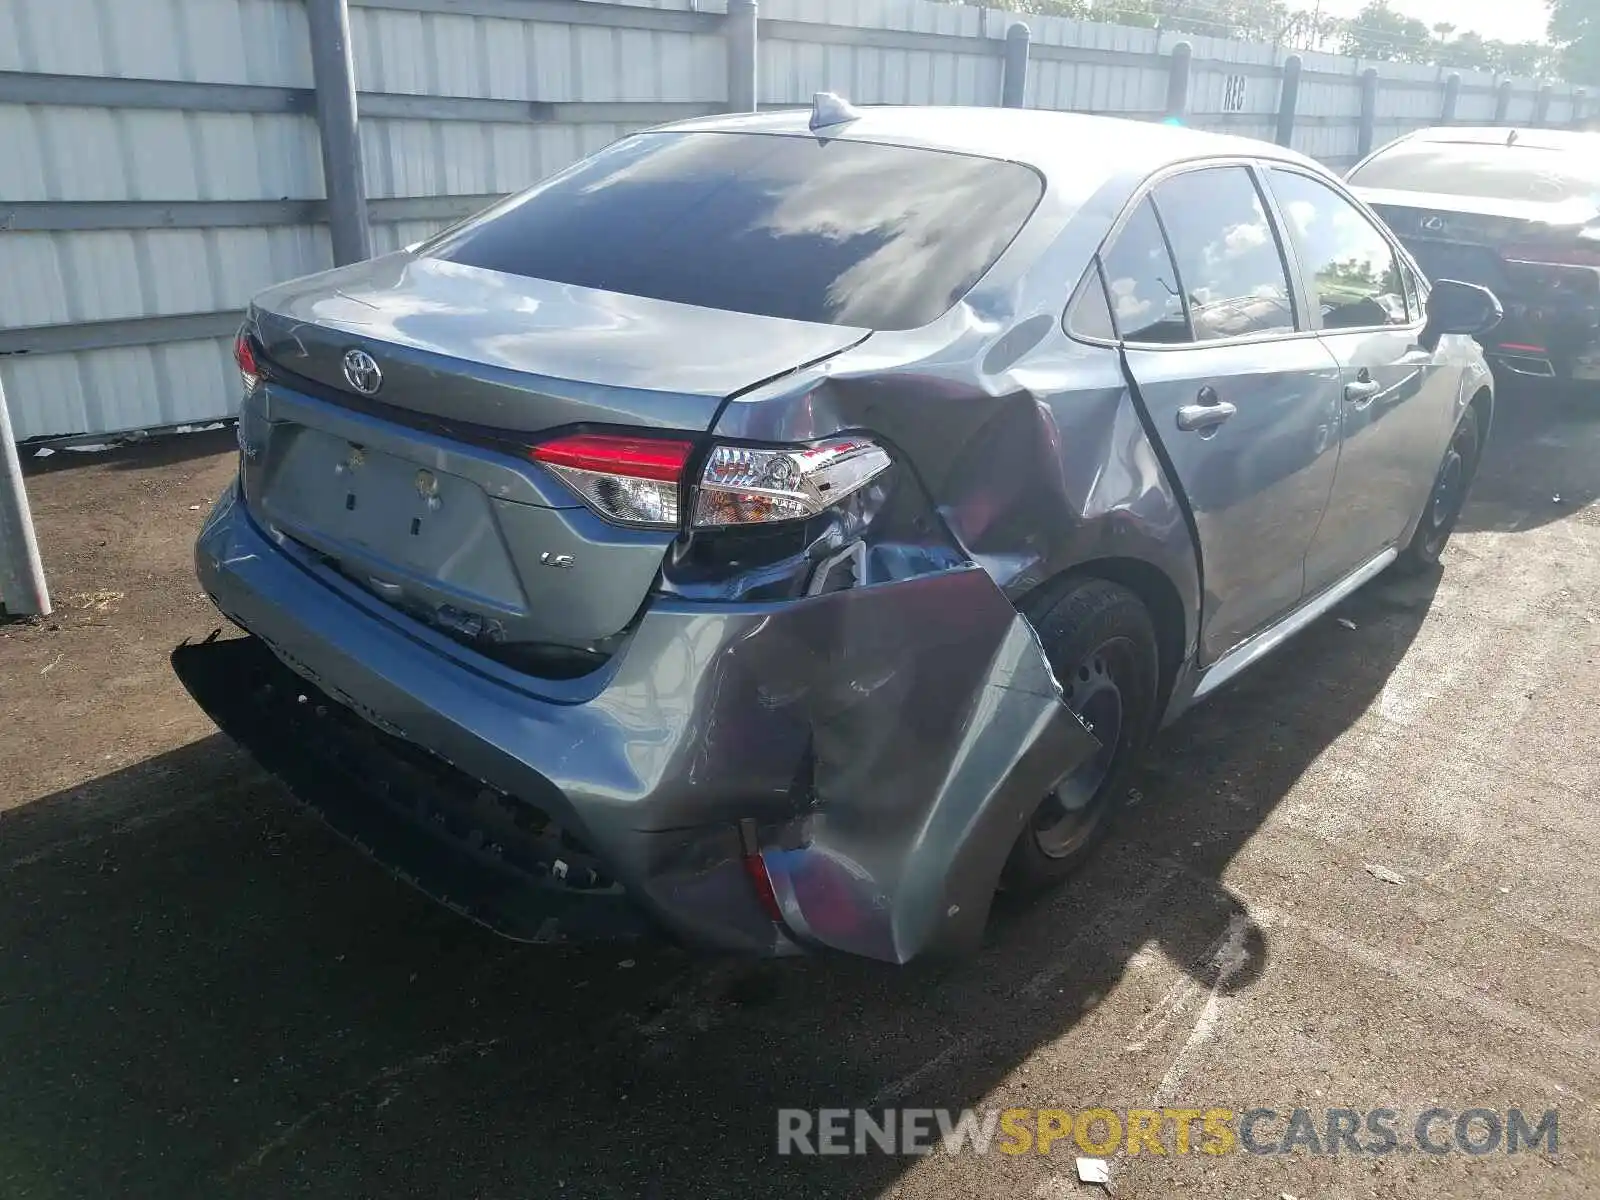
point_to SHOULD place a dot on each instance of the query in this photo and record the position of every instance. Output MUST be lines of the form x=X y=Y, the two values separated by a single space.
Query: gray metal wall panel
x=1475 y=106
x=64 y=278
x=232 y=198
x=55 y=152
x=924 y=71
x=450 y=158
x=207 y=41
x=128 y=388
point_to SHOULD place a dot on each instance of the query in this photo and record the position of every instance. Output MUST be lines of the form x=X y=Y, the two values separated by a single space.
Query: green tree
x=1247 y=20
x=1077 y=9
x=1575 y=29
x=1525 y=59
x=1378 y=32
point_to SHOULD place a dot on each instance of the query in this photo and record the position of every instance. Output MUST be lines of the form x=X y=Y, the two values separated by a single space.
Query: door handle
x=1362 y=390
x=1204 y=416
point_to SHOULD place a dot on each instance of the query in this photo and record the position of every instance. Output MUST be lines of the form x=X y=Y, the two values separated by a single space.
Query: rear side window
x=1143 y=284
x=1089 y=315
x=1228 y=256
x=1351 y=267
x=829 y=231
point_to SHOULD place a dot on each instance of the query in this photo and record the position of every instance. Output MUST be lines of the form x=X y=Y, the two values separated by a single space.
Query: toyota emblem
x=361 y=372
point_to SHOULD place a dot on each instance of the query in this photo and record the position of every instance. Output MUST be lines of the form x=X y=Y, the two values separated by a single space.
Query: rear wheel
x=1102 y=647
x=1447 y=499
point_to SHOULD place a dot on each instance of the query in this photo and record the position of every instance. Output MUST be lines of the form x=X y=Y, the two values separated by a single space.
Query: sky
x=1508 y=20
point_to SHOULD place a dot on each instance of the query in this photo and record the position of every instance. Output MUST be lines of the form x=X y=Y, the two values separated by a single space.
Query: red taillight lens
x=244 y=353
x=638 y=458
x=630 y=480
x=756 y=868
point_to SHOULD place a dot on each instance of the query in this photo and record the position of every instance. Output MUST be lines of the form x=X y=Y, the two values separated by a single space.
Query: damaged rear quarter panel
x=934 y=726
x=1029 y=445
x=1031 y=449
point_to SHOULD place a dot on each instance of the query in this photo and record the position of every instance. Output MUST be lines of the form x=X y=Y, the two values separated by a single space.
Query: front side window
x=1352 y=268
x=1227 y=253
x=1143 y=284
x=821 y=230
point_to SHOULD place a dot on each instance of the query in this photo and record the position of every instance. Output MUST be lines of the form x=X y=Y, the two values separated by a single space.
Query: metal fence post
x=1502 y=102
x=333 y=70
x=1369 y=112
x=1014 y=81
x=740 y=31
x=1452 y=99
x=1289 y=99
x=1580 y=103
x=1541 y=105
x=1178 y=80
x=22 y=586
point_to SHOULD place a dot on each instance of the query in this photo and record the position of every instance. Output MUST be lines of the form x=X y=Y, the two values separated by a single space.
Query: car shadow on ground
x=1540 y=463
x=203 y=993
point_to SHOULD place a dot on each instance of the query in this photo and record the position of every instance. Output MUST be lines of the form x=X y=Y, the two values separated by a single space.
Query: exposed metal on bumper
x=890 y=742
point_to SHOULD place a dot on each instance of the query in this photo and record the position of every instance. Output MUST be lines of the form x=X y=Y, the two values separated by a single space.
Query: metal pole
x=22 y=586
x=1502 y=103
x=1580 y=101
x=1289 y=98
x=1178 y=80
x=1452 y=99
x=333 y=70
x=740 y=30
x=1014 y=82
x=1369 y=112
x=1541 y=105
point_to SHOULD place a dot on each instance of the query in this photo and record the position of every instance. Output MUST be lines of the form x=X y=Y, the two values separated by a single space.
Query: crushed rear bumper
x=884 y=745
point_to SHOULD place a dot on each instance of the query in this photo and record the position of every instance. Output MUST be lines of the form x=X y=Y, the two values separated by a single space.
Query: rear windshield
x=835 y=232
x=1493 y=172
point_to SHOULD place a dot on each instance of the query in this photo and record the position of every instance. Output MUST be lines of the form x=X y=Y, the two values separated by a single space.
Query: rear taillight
x=244 y=354
x=755 y=867
x=629 y=480
x=638 y=480
x=742 y=485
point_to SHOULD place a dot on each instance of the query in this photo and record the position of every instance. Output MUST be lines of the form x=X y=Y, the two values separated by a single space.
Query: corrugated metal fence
x=161 y=158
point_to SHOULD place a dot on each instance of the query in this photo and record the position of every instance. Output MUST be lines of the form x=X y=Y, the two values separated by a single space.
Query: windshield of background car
x=1535 y=173
x=826 y=231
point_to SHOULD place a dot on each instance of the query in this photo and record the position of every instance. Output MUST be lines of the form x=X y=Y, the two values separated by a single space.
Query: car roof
x=1049 y=141
x=1534 y=138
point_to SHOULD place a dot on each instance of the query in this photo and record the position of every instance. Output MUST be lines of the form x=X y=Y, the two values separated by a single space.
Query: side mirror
x=1456 y=307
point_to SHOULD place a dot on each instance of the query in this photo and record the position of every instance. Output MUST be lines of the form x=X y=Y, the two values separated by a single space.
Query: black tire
x=1446 y=498
x=1102 y=646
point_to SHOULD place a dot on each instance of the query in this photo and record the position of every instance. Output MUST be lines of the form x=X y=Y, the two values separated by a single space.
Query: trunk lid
x=526 y=355
x=420 y=489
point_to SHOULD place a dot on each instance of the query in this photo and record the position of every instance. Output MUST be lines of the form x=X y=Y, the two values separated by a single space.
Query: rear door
x=1244 y=403
x=1399 y=399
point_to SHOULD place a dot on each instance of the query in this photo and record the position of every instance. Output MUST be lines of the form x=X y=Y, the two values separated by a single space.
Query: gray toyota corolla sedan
x=784 y=531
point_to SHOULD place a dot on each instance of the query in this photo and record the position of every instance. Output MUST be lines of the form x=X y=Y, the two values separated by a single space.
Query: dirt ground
x=1368 y=875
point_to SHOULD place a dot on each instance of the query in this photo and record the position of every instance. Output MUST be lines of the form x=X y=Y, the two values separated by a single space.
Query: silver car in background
x=785 y=530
